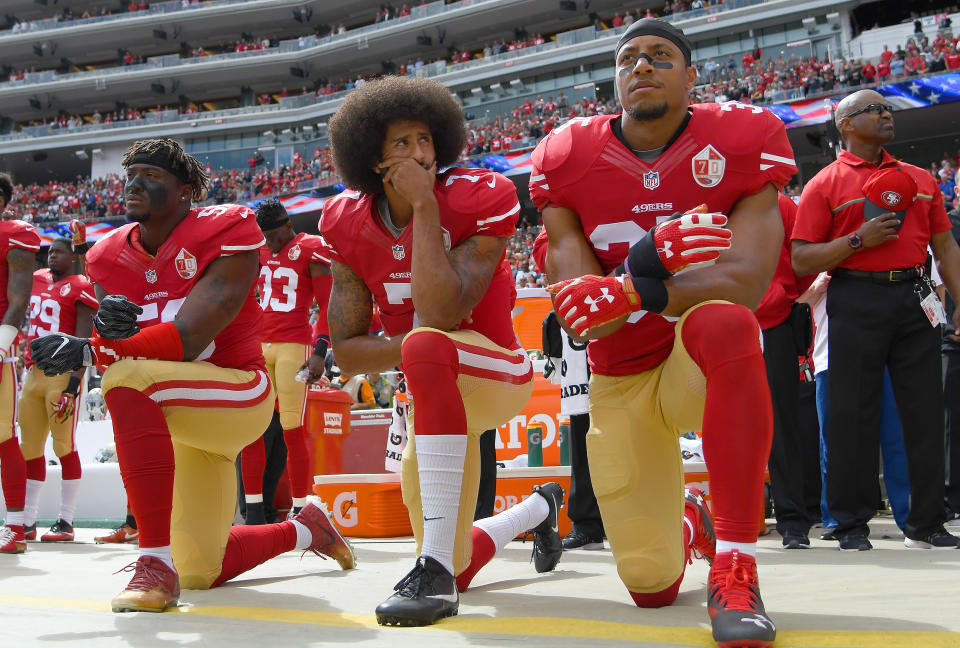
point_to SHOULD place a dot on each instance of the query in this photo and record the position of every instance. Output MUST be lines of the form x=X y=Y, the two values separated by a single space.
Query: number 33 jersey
x=286 y=291
x=159 y=284
x=472 y=201
x=53 y=305
x=725 y=153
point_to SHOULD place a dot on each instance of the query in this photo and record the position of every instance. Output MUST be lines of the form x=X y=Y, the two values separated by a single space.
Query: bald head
x=853 y=102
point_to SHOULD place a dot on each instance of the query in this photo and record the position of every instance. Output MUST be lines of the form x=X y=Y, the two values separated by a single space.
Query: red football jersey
x=726 y=152
x=53 y=305
x=14 y=235
x=286 y=289
x=160 y=284
x=472 y=201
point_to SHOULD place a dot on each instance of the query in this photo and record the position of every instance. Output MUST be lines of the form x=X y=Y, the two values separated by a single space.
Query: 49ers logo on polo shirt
x=186 y=264
x=891 y=199
x=708 y=167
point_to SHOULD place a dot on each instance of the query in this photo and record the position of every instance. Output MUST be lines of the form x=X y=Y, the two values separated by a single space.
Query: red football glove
x=589 y=301
x=685 y=241
x=78 y=232
x=64 y=407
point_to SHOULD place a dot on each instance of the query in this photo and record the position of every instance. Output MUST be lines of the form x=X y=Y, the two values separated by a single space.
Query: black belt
x=887 y=276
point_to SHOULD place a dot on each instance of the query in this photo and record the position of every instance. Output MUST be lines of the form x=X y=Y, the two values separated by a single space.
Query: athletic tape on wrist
x=73 y=386
x=643 y=260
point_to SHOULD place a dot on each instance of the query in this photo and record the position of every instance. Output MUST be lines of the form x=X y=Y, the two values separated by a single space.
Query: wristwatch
x=854 y=241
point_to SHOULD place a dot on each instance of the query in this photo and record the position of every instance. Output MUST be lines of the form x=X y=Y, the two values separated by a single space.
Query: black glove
x=59 y=353
x=117 y=318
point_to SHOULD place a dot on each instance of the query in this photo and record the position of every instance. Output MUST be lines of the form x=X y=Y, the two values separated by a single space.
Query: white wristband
x=8 y=333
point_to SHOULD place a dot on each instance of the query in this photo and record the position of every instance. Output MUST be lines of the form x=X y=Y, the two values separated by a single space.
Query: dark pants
x=808 y=426
x=582 y=507
x=276 y=452
x=873 y=325
x=786 y=459
x=487 y=495
x=951 y=393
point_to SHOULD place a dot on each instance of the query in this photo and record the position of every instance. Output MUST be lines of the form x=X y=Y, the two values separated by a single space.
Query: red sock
x=145 y=452
x=37 y=468
x=298 y=463
x=70 y=466
x=724 y=341
x=483 y=551
x=253 y=461
x=248 y=546
x=13 y=473
x=430 y=367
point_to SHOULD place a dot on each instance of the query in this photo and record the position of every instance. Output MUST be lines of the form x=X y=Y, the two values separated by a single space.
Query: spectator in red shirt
x=886 y=55
x=883 y=71
x=869 y=72
x=952 y=58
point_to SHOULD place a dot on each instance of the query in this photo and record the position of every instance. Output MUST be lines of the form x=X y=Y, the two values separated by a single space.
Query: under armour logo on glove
x=607 y=299
x=592 y=303
x=665 y=252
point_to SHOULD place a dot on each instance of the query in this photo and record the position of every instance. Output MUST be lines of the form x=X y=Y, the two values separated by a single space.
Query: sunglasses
x=876 y=109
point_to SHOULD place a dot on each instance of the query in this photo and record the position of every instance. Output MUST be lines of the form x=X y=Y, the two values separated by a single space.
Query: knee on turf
x=646 y=573
x=427 y=346
x=716 y=333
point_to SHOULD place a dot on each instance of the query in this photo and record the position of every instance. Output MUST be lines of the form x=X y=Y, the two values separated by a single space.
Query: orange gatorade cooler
x=328 y=424
x=365 y=506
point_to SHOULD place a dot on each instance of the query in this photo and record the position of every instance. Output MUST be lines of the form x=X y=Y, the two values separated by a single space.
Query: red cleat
x=327 y=540
x=122 y=534
x=12 y=540
x=734 y=604
x=59 y=532
x=704 y=543
x=153 y=588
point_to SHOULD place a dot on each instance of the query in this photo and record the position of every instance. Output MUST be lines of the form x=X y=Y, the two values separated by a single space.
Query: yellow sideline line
x=692 y=636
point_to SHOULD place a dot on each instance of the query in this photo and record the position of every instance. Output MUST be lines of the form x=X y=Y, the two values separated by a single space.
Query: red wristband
x=160 y=342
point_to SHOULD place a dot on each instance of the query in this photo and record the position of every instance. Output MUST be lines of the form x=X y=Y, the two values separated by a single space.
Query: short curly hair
x=6 y=188
x=170 y=155
x=271 y=214
x=359 y=127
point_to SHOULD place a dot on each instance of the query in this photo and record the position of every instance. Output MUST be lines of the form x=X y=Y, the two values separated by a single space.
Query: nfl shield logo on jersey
x=651 y=180
x=398 y=252
x=151 y=276
x=64 y=290
x=294 y=253
x=186 y=264
x=708 y=167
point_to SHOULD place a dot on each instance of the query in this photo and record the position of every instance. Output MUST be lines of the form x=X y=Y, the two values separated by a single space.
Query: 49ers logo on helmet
x=186 y=264
x=891 y=198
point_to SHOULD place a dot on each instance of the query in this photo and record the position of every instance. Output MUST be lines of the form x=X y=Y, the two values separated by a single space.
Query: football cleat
x=423 y=597
x=122 y=534
x=704 y=542
x=11 y=541
x=578 y=540
x=153 y=588
x=59 y=532
x=30 y=531
x=734 y=604
x=547 y=544
x=327 y=540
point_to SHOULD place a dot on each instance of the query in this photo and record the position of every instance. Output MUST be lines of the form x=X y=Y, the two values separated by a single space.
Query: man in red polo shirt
x=869 y=218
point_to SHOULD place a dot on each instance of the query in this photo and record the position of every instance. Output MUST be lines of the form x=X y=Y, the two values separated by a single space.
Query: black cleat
x=423 y=597
x=547 y=544
x=734 y=604
x=578 y=540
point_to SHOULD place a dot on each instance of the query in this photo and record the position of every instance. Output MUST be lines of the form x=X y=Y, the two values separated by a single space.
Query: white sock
x=505 y=526
x=253 y=498
x=32 y=501
x=748 y=548
x=298 y=502
x=304 y=537
x=163 y=553
x=69 y=490
x=15 y=518
x=440 y=459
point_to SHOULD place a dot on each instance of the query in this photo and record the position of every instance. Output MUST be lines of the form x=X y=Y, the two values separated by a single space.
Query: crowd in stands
x=67 y=15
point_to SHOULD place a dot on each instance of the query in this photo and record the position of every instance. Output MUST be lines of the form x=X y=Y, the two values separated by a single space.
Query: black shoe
x=577 y=540
x=939 y=539
x=829 y=534
x=547 y=545
x=796 y=541
x=423 y=597
x=855 y=541
x=254 y=514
